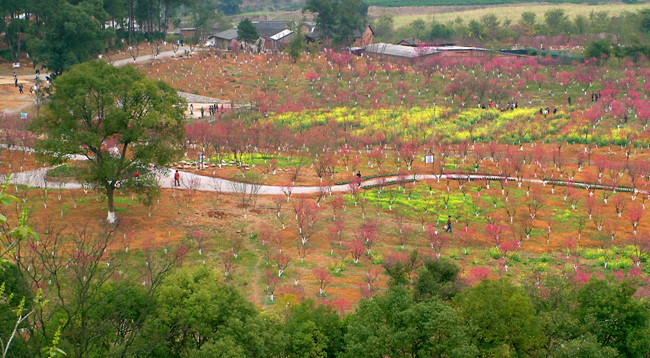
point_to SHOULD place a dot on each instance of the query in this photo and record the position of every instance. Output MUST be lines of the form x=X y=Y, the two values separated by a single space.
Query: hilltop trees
x=338 y=19
x=246 y=32
x=119 y=120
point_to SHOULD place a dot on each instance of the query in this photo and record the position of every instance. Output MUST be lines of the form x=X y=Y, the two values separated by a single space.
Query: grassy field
x=511 y=11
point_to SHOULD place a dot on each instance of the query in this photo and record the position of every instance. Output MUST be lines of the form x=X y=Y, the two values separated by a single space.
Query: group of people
x=213 y=109
x=33 y=89
x=508 y=107
x=595 y=96
x=546 y=111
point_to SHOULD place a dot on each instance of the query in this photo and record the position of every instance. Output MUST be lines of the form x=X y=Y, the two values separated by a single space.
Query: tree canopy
x=121 y=121
x=246 y=31
x=338 y=19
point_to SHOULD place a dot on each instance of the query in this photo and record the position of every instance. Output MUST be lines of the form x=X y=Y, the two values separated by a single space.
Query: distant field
x=406 y=15
x=398 y=3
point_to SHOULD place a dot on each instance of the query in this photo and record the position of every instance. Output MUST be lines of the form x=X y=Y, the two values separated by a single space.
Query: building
x=365 y=37
x=222 y=40
x=266 y=29
x=390 y=52
x=280 y=40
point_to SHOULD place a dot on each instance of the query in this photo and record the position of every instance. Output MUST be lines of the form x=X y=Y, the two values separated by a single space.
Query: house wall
x=366 y=39
x=187 y=33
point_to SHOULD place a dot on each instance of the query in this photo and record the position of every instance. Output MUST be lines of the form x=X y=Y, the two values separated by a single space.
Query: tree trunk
x=110 y=192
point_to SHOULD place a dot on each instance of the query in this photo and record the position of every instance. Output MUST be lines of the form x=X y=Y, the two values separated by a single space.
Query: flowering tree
x=323 y=277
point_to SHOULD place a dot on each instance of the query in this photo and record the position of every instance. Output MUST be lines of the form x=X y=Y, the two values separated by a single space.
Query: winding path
x=36 y=178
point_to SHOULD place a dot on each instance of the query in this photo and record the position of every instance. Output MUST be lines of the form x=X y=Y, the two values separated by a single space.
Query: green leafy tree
x=198 y=315
x=582 y=347
x=119 y=120
x=352 y=16
x=338 y=19
x=204 y=16
x=296 y=47
x=557 y=22
x=393 y=325
x=598 y=49
x=617 y=319
x=501 y=319
x=437 y=278
x=312 y=331
x=246 y=31
x=384 y=28
x=69 y=35
x=229 y=7
x=418 y=27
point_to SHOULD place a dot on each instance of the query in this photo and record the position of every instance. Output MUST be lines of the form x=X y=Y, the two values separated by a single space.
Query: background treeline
x=61 y=33
x=554 y=28
x=86 y=304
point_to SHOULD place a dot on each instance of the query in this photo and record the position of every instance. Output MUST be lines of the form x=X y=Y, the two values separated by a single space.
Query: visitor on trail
x=554 y=110
x=569 y=100
x=177 y=179
x=20 y=88
x=201 y=112
x=448 y=229
x=359 y=178
x=191 y=109
x=15 y=81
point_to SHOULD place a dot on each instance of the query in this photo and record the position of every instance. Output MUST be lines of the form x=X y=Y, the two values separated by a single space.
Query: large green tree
x=118 y=119
x=338 y=19
x=393 y=325
x=246 y=32
x=200 y=317
x=501 y=319
x=229 y=7
x=70 y=34
x=615 y=317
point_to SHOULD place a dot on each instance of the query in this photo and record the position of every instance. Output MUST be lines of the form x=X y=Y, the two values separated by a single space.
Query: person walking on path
x=177 y=179
x=191 y=109
x=20 y=88
x=359 y=178
x=448 y=229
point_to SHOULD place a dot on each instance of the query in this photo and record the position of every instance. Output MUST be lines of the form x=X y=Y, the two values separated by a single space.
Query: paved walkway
x=36 y=178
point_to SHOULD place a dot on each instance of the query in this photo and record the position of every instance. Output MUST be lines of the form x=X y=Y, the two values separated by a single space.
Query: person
x=177 y=179
x=449 y=225
x=569 y=100
x=136 y=175
x=359 y=178
x=15 y=81
x=201 y=112
x=20 y=88
x=191 y=109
